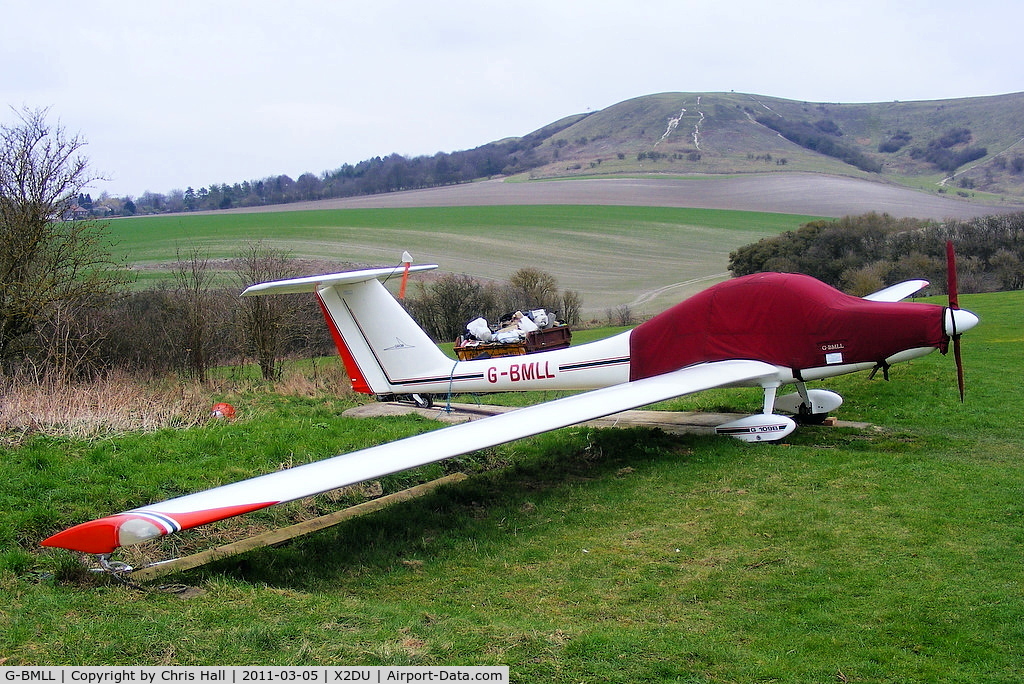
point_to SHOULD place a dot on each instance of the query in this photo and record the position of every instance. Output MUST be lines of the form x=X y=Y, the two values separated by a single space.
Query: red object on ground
x=222 y=410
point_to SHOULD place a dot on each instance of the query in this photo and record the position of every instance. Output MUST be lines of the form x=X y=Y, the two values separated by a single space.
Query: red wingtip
x=96 y=536
x=106 y=534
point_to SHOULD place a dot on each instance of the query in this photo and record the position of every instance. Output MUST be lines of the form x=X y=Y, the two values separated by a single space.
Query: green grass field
x=885 y=554
x=648 y=257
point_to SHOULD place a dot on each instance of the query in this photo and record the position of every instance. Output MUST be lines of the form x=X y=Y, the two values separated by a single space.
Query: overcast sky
x=193 y=92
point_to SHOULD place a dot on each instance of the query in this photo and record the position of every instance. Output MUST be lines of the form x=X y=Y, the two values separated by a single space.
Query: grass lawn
x=885 y=554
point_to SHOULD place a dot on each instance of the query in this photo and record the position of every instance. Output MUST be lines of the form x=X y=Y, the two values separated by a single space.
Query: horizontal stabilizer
x=314 y=283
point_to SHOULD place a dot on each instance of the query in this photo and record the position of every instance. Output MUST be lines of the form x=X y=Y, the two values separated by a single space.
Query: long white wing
x=140 y=524
x=897 y=292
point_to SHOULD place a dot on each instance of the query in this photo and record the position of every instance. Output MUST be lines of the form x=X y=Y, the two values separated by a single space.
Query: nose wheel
x=423 y=401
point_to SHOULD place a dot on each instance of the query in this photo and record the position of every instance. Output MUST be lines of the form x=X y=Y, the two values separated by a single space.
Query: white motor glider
x=765 y=330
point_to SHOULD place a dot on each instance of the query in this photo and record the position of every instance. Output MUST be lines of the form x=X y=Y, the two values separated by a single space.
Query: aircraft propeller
x=954 y=305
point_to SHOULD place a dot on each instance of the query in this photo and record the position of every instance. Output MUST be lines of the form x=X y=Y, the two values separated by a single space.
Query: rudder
x=387 y=349
x=382 y=347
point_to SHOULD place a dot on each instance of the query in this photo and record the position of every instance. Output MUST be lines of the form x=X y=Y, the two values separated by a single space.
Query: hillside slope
x=968 y=149
x=961 y=146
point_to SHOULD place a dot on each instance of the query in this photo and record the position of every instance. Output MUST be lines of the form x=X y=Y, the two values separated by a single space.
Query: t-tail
x=384 y=350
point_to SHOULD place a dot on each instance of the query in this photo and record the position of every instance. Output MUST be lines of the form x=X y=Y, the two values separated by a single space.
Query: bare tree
x=621 y=315
x=572 y=307
x=47 y=260
x=449 y=303
x=538 y=287
x=194 y=279
x=269 y=321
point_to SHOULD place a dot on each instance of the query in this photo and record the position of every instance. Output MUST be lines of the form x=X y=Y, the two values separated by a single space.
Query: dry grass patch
x=121 y=402
x=114 y=404
x=316 y=378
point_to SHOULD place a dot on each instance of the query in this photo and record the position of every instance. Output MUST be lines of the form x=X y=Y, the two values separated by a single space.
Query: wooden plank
x=272 y=537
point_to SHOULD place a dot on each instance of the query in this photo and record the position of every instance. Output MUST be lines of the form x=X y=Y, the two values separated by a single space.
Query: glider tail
x=383 y=348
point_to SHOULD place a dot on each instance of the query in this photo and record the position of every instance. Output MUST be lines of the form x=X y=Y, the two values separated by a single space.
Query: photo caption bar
x=406 y=674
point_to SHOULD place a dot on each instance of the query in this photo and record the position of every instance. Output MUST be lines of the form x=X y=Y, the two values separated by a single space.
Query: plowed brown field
x=788 y=193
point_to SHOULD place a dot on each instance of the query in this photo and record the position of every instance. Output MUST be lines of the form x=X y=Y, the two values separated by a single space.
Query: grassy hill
x=911 y=143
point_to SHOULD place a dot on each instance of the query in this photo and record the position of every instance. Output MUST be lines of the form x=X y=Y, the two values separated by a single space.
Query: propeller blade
x=954 y=303
x=959 y=367
x=951 y=282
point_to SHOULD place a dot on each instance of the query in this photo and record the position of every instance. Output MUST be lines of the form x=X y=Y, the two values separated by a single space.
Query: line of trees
x=197 y=321
x=377 y=175
x=188 y=325
x=861 y=254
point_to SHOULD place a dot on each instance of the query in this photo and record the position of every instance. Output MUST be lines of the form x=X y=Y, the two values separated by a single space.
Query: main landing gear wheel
x=423 y=401
x=809 y=406
x=804 y=416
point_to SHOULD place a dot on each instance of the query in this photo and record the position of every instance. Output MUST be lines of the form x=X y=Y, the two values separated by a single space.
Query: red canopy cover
x=786 y=319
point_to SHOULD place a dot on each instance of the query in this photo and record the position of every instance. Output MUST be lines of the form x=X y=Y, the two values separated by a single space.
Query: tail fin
x=384 y=350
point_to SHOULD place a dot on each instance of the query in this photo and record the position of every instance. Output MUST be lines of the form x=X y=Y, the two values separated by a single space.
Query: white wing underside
x=139 y=524
x=436 y=445
x=897 y=292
